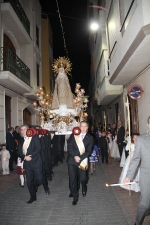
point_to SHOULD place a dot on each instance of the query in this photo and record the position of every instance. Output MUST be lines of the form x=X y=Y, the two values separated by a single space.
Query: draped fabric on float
x=46 y=155
x=57 y=149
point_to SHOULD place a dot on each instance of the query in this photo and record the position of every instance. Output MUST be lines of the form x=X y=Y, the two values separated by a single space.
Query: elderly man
x=141 y=156
x=29 y=149
x=75 y=160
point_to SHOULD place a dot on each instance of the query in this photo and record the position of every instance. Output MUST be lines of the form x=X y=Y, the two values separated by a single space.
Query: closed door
x=7 y=111
x=134 y=115
x=27 y=118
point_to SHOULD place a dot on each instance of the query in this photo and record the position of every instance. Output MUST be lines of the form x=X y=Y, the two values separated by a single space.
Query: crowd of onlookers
x=109 y=140
x=9 y=150
x=113 y=142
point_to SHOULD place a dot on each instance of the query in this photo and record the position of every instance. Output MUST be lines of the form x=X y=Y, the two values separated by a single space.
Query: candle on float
x=76 y=90
x=37 y=94
x=40 y=88
x=34 y=104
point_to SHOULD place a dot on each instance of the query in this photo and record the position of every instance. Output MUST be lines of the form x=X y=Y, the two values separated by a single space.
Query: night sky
x=76 y=36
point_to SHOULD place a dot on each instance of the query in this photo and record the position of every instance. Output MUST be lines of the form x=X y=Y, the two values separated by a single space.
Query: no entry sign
x=135 y=92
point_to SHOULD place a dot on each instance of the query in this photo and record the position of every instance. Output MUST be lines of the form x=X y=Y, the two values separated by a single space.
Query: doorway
x=27 y=117
x=133 y=106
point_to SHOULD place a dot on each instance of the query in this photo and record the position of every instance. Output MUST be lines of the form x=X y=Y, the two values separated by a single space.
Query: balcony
x=132 y=54
x=14 y=73
x=15 y=20
x=108 y=92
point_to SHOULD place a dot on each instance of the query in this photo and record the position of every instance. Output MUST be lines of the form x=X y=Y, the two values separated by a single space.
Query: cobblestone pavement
x=130 y=202
x=103 y=206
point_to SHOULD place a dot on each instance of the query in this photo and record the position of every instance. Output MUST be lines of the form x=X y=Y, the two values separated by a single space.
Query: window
x=38 y=74
x=37 y=36
x=8 y=111
x=111 y=27
x=126 y=11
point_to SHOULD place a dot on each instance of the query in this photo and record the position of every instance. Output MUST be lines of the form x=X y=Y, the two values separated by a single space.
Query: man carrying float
x=29 y=150
x=79 y=148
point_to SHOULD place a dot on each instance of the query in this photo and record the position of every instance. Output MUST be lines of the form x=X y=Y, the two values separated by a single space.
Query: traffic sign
x=135 y=92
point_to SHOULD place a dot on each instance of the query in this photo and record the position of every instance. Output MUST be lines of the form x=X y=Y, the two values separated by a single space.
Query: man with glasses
x=29 y=149
x=76 y=159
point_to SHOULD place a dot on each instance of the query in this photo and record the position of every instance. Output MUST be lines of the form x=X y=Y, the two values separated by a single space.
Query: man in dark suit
x=75 y=159
x=16 y=135
x=11 y=146
x=29 y=150
x=120 y=137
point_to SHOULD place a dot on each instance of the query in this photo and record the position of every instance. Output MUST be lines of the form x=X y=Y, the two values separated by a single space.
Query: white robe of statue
x=62 y=102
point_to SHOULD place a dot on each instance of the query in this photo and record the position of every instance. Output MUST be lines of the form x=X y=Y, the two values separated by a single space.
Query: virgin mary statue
x=62 y=102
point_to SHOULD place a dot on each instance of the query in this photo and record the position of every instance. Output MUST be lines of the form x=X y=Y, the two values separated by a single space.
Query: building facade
x=21 y=62
x=121 y=59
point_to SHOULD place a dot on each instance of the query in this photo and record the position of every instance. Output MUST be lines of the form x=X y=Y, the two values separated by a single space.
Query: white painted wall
x=143 y=103
x=2 y=115
x=140 y=17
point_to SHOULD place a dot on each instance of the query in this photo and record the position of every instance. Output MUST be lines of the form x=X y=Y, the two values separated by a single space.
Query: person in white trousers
x=20 y=171
x=5 y=156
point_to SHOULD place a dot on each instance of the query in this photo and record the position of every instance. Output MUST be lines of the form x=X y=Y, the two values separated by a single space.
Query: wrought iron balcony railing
x=20 y=13
x=11 y=62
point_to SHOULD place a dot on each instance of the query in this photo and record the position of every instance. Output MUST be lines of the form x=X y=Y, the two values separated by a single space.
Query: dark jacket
x=16 y=135
x=34 y=150
x=120 y=135
x=74 y=151
x=10 y=142
x=92 y=133
x=102 y=142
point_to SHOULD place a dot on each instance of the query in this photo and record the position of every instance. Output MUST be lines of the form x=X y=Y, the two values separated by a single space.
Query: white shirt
x=82 y=136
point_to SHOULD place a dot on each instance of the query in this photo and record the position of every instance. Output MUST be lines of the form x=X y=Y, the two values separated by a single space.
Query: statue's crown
x=62 y=62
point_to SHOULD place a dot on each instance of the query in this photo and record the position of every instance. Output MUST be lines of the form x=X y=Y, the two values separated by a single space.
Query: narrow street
x=109 y=206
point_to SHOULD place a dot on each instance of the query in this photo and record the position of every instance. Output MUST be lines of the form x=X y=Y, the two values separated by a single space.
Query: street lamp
x=94 y=26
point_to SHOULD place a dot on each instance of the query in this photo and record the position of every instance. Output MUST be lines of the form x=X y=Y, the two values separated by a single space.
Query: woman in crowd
x=114 y=150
